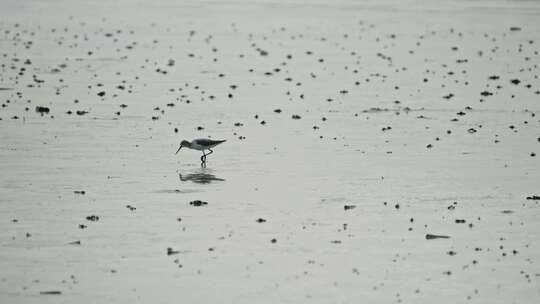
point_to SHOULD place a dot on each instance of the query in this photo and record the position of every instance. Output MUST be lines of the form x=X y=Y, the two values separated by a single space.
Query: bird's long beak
x=178 y=149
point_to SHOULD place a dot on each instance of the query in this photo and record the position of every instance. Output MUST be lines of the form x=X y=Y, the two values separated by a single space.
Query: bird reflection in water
x=201 y=176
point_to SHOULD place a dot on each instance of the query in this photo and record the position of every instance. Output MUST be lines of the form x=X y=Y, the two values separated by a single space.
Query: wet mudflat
x=376 y=152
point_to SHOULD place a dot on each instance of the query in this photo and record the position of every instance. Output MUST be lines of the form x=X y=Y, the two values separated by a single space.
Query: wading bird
x=200 y=144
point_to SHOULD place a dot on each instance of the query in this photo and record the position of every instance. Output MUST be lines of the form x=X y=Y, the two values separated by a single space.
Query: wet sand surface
x=376 y=152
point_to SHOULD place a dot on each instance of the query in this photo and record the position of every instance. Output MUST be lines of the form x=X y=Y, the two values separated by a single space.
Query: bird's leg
x=203 y=157
x=203 y=160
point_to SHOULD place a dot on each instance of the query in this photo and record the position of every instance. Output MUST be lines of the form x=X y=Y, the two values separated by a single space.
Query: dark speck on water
x=198 y=203
x=170 y=251
x=42 y=110
x=436 y=236
x=50 y=292
x=93 y=218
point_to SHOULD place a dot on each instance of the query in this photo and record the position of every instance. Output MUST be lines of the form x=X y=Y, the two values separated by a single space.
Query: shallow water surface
x=354 y=131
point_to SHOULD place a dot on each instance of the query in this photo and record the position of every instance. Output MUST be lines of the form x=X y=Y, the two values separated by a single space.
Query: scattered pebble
x=92 y=218
x=50 y=292
x=435 y=236
x=198 y=203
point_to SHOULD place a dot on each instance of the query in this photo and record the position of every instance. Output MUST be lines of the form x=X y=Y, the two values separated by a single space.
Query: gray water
x=331 y=207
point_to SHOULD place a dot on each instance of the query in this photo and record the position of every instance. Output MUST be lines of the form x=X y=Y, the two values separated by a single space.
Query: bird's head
x=184 y=143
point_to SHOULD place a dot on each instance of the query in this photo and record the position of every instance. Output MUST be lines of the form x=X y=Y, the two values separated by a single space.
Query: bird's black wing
x=207 y=142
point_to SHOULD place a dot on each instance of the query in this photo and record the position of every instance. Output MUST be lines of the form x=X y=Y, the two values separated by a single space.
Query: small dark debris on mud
x=92 y=218
x=42 y=110
x=50 y=292
x=436 y=236
x=198 y=203
x=171 y=251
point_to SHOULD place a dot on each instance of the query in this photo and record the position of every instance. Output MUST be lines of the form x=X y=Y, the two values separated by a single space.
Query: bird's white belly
x=198 y=147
